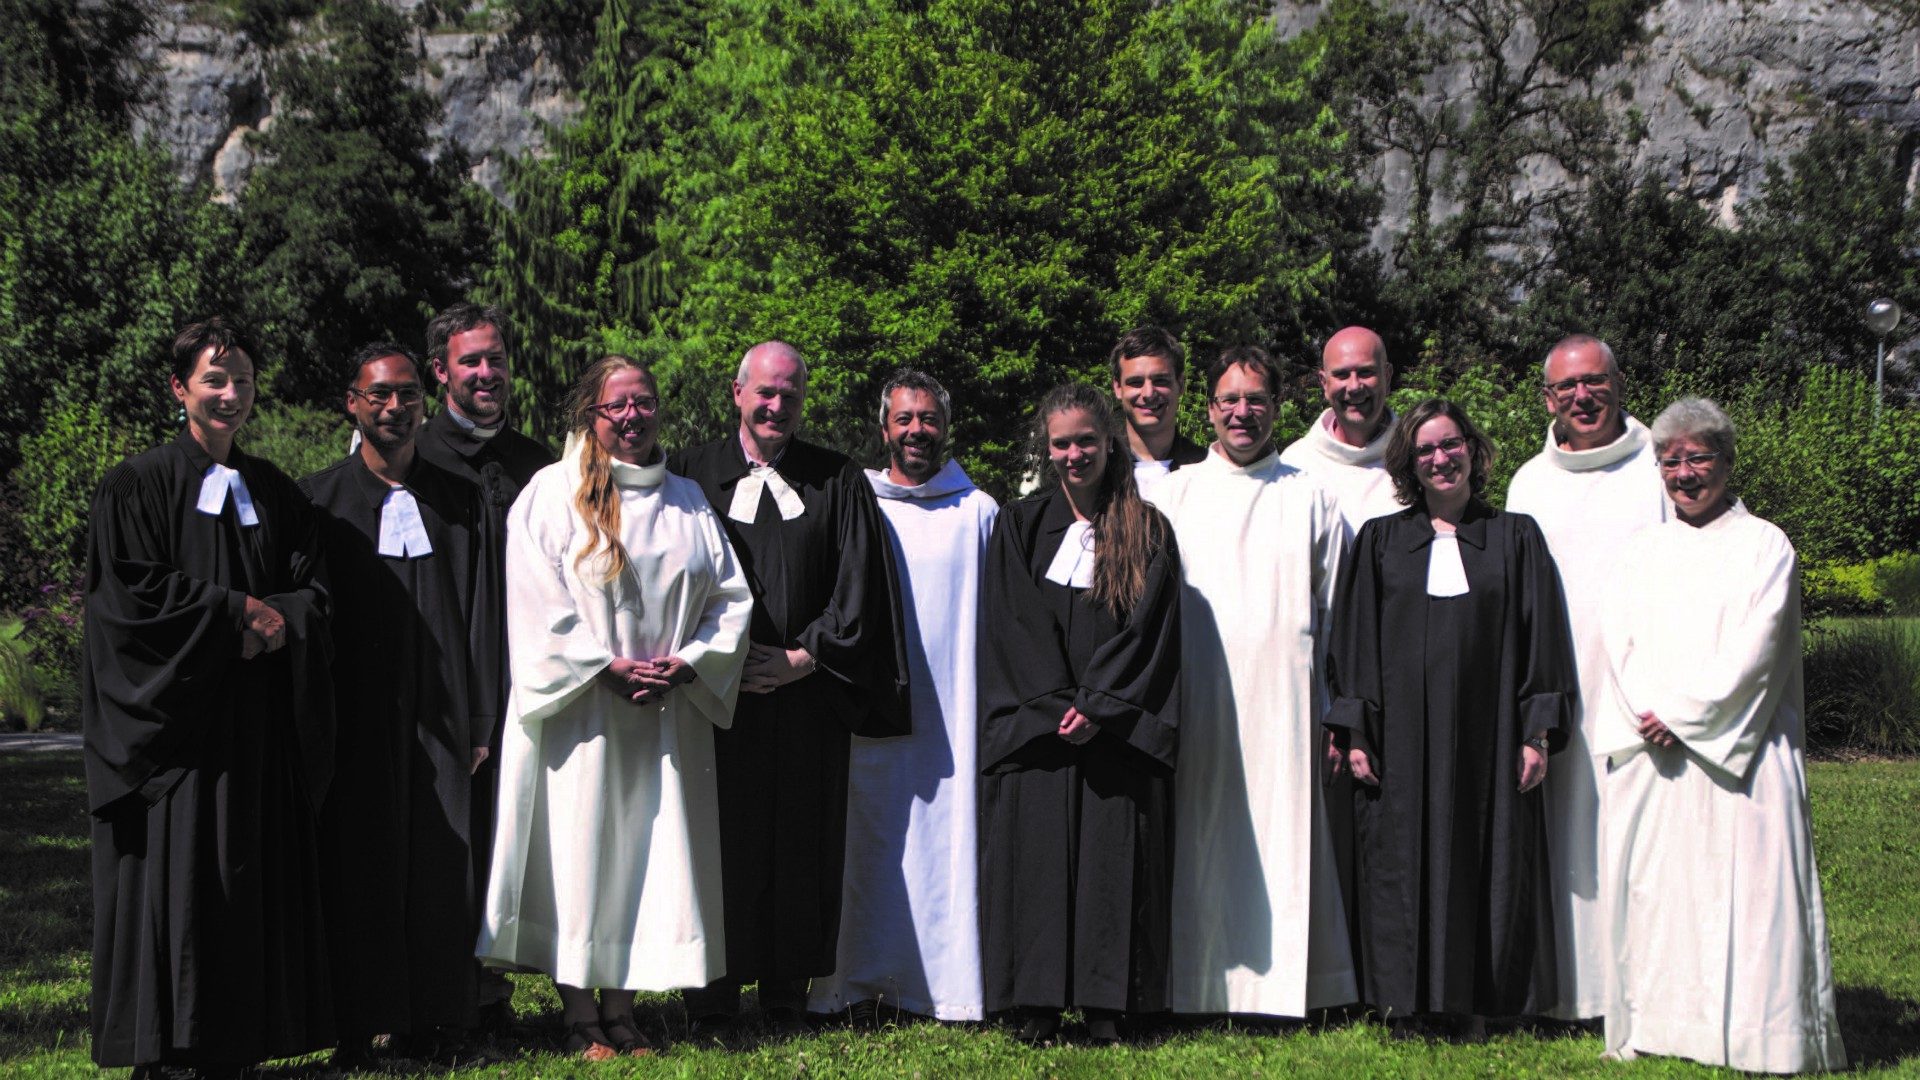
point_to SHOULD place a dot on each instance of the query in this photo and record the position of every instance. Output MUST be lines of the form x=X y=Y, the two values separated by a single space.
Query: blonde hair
x=597 y=498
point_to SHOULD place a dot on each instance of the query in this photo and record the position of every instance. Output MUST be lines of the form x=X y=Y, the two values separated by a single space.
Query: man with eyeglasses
x=1594 y=484
x=1259 y=924
x=470 y=438
x=827 y=662
x=1149 y=370
x=417 y=692
x=1346 y=447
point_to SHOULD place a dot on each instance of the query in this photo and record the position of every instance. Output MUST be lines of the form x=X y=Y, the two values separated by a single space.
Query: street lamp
x=1882 y=316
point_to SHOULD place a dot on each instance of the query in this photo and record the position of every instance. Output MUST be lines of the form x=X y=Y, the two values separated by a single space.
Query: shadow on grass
x=46 y=903
x=1880 y=1030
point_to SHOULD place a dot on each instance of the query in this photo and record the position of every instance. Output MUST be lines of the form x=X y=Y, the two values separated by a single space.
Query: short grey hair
x=781 y=347
x=1575 y=341
x=915 y=379
x=1695 y=418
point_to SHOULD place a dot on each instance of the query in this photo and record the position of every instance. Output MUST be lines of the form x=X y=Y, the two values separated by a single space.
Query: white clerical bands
x=214 y=486
x=746 y=496
x=403 y=535
x=1072 y=565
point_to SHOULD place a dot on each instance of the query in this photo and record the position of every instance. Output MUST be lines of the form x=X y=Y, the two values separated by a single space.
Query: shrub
x=298 y=438
x=60 y=465
x=1863 y=687
x=20 y=692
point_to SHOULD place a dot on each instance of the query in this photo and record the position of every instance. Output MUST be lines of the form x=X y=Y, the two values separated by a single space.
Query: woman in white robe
x=627 y=616
x=1719 y=938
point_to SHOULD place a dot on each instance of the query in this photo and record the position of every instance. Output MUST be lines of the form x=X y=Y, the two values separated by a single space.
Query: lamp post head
x=1882 y=316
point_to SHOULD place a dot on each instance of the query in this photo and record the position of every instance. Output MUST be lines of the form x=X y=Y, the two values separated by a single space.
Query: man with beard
x=1259 y=921
x=1594 y=484
x=1148 y=369
x=416 y=677
x=1346 y=447
x=826 y=661
x=470 y=438
x=909 y=926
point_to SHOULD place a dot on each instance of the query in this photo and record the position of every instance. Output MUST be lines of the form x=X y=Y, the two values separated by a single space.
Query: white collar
x=950 y=480
x=1632 y=439
x=1321 y=439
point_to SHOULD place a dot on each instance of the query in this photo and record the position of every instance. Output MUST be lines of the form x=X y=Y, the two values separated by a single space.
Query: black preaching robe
x=1454 y=910
x=1076 y=842
x=416 y=678
x=499 y=466
x=204 y=771
x=824 y=582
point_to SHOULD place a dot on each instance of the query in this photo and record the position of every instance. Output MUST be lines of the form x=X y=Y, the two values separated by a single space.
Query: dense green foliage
x=991 y=190
x=356 y=227
x=1863 y=686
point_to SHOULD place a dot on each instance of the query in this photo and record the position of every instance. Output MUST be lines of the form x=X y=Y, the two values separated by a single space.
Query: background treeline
x=988 y=189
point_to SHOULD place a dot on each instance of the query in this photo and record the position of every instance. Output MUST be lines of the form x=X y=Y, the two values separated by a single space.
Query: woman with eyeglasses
x=1079 y=689
x=1452 y=675
x=627 y=614
x=1719 y=938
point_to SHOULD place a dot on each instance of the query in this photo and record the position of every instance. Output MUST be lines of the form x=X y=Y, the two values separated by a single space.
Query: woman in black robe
x=1452 y=673
x=208 y=715
x=1079 y=684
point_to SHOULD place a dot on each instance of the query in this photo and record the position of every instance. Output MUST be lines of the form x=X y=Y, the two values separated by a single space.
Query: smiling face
x=476 y=373
x=1077 y=450
x=916 y=435
x=1698 y=487
x=217 y=396
x=770 y=399
x=1242 y=411
x=388 y=425
x=1442 y=461
x=1148 y=390
x=626 y=417
x=1583 y=396
x=1353 y=380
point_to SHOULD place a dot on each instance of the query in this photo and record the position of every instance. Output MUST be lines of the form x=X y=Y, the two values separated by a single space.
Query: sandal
x=586 y=1041
x=626 y=1036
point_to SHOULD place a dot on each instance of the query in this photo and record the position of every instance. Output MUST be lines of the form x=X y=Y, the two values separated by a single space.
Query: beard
x=936 y=453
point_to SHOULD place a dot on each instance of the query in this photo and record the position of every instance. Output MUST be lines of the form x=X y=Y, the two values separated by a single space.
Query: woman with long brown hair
x=627 y=616
x=1079 y=688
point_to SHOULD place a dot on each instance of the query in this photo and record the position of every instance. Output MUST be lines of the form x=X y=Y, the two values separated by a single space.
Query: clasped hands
x=648 y=682
x=770 y=667
x=1076 y=728
x=262 y=629
x=1655 y=732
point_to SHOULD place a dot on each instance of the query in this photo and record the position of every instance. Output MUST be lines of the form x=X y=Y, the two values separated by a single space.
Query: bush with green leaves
x=300 y=439
x=1863 y=686
x=22 y=697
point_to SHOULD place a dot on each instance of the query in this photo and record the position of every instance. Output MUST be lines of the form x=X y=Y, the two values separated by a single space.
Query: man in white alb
x=910 y=923
x=1259 y=926
x=1594 y=485
x=1346 y=447
x=1149 y=369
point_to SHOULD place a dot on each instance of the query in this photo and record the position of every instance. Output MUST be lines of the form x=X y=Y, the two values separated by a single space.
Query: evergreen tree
x=356 y=226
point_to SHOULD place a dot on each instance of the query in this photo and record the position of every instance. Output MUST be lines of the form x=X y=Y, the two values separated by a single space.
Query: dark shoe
x=354 y=1056
x=716 y=1029
x=1103 y=1029
x=1039 y=1028
x=627 y=1036
x=496 y=1019
x=787 y=1023
x=864 y=1015
x=588 y=1042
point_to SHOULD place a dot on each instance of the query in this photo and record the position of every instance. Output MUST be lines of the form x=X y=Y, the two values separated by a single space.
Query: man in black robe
x=417 y=684
x=827 y=662
x=1149 y=370
x=470 y=438
x=208 y=714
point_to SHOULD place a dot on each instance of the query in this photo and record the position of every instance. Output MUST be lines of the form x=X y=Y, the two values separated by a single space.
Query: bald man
x=1345 y=449
x=827 y=662
x=1593 y=484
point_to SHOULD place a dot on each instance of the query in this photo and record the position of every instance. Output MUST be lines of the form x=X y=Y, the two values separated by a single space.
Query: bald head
x=770 y=391
x=1354 y=376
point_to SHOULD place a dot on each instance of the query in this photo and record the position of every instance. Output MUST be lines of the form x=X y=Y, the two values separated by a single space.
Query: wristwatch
x=1538 y=742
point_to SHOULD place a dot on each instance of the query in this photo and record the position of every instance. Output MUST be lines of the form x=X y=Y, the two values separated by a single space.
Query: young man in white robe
x=1717 y=931
x=1259 y=924
x=910 y=919
x=1149 y=369
x=1594 y=485
x=1346 y=447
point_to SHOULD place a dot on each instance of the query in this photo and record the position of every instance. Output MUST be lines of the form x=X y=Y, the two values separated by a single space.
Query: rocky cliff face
x=1718 y=89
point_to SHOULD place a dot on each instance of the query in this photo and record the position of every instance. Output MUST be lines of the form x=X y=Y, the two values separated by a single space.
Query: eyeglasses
x=382 y=394
x=620 y=410
x=1594 y=384
x=1696 y=462
x=1256 y=403
x=1448 y=447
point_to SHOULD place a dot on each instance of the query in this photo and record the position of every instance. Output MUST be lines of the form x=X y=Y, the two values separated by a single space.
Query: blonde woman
x=627 y=616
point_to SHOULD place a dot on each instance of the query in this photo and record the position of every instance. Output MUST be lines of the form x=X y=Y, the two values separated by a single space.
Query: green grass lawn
x=1867 y=826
